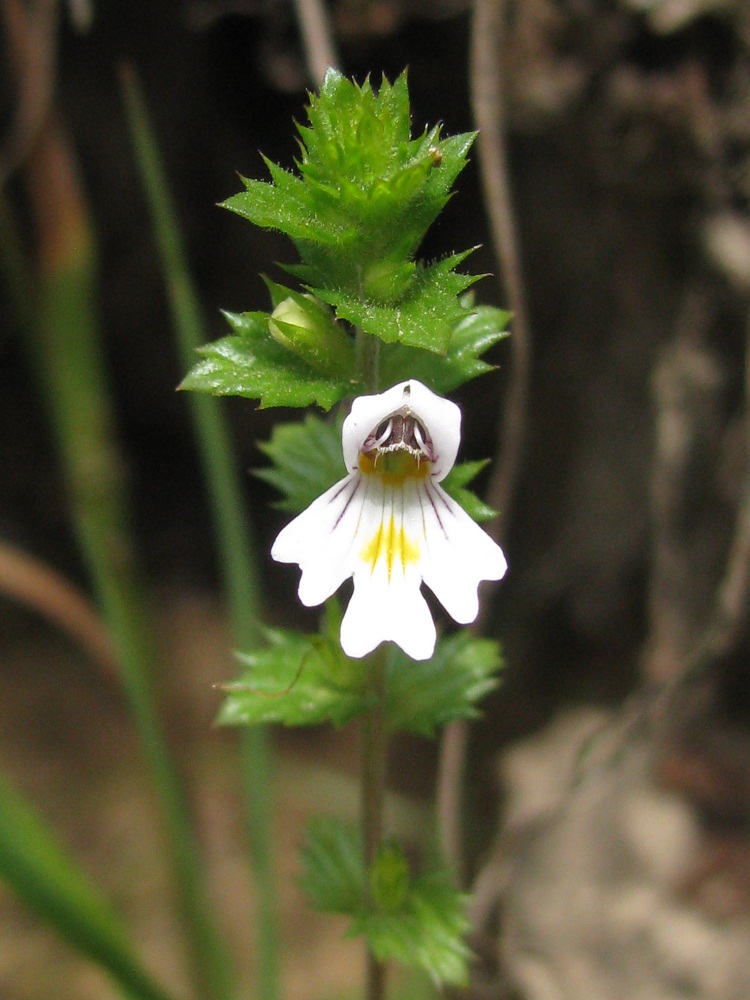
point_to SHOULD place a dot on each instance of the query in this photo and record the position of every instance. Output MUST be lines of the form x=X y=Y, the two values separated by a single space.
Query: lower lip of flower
x=392 y=545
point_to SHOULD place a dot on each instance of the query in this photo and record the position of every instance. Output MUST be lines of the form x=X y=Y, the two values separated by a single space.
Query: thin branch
x=317 y=38
x=650 y=707
x=31 y=583
x=488 y=40
x=30 y=49
x=487 y=43
x=448 y=794
x=731 y=608
x=686 y=390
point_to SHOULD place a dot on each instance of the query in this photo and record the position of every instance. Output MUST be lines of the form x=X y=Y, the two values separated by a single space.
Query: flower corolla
x=391 y=526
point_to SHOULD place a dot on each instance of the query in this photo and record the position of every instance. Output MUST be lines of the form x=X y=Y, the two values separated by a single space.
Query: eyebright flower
x=390 y=526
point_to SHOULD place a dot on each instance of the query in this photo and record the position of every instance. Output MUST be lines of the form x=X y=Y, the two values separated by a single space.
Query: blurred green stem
x=69 y=353
x=236 y=546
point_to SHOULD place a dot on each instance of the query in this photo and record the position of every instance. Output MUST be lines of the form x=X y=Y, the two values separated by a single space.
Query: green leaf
x=253 y=364
x=428 y=931
x=286 y=205
x=455 y=483
x=472 y=335
x=418 y=922
x=49 y=882
x=453 y=154
x=356 y=128
x=425 y=317
x=306 y=459
x=424 y=695
x=304 y=680
x=333 y=872
x=360 y=206
x=389 y=878
x=298 y=680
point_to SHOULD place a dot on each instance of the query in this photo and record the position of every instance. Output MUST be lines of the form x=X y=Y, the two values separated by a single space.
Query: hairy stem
x=368 y=359
x=374 y=732
x=374 y=772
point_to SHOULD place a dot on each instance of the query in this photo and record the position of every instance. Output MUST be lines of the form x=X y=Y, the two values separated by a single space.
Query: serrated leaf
x=389 y=877
x=306 y=460
x=297 y=680
x=255 y=366
x=423 y=923
x=453 y=154
x=425 y=317
x=424 y=695
x=474 y=334
x=455 y=483
x=357 y=211
x=333 y=873
x=285 y=206
x=474 y=506
x=356 y=133
x=464 y=473
x=428 y=931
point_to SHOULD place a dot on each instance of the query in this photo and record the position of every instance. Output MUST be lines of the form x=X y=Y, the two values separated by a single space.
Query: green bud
x=305 y=327
x=389 y=878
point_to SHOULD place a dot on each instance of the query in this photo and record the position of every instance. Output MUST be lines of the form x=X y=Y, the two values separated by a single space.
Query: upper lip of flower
x=407 y=417
x=391 y=526
x=401 y=431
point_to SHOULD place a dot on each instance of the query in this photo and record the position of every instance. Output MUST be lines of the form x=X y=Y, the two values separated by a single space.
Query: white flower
x=391 y=526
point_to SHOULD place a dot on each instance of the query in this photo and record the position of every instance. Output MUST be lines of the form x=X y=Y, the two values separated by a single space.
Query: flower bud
x=389 y=878
x=305 y=327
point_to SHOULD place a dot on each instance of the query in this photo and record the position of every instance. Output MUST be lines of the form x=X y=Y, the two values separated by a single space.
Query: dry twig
x=30 y=49
x=317 y=38
x=488 y=40
x=36 y=586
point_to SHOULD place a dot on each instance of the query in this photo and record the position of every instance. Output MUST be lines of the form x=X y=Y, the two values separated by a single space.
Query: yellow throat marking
x=391 y=544
x=394 y=467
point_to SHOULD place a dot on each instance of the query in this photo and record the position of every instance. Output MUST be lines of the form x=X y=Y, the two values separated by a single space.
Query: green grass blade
x=42 y=875
x=233 y=535
x=66 y=345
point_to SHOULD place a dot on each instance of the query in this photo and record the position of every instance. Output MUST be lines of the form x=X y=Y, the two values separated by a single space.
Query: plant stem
x=374 y=773
x=374 y=730
x=234 y=538
x=368 y=360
